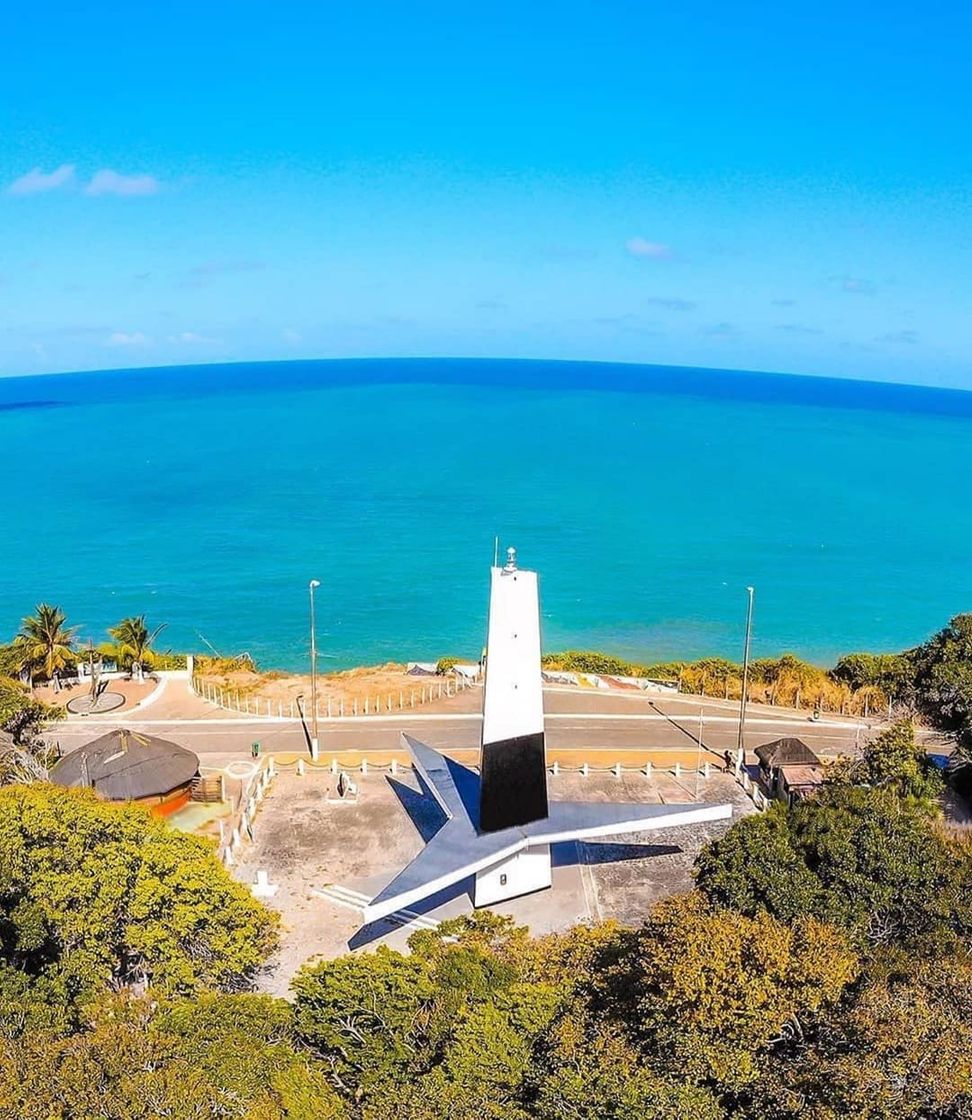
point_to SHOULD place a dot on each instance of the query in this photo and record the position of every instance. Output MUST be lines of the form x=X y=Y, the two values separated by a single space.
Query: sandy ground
x=311 y=844
x=133 y=691
x=386 y=685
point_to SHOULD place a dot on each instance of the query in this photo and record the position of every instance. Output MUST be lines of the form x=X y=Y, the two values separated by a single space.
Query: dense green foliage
x=46 y=646
x=943 y=677
x=21 y=717
x=934 y=679
x=95 y=895
x=24 y=755
x=447 y=664
x=862 y=859
x=139 y=1059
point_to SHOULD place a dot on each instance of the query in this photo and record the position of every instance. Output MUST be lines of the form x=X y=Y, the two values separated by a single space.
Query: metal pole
x=740 y=742
x=314 y=583
x=698 y=757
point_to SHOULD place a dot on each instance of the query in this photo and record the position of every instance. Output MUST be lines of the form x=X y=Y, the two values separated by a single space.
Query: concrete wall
x=523 y=873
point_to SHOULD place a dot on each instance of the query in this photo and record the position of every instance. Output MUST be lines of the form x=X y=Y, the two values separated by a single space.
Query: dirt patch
x=133 y=691
x=376 y=688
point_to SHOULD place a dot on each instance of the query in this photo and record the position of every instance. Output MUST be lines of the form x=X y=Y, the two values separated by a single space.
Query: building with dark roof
x=126 y=766
x=792 y=755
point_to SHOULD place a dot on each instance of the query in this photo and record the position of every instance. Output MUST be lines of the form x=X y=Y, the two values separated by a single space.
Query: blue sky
x=743 y=185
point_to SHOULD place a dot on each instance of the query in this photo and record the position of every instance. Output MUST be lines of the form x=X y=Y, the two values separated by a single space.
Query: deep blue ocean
x=647 y=497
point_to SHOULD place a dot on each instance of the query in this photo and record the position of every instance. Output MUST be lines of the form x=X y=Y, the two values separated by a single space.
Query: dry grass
x=370 y=683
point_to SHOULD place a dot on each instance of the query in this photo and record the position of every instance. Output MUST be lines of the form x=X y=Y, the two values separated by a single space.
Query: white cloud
x=36 y=181
x=291 y=337
x=107 y=181
x=639 y=247
x=120 y=338
x=190 y=337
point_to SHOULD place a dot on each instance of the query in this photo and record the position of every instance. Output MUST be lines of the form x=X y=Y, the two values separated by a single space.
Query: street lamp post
x=740 y=742
x=312 y=586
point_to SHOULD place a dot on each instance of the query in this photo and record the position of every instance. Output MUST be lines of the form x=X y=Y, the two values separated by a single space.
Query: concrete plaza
x=326 y=855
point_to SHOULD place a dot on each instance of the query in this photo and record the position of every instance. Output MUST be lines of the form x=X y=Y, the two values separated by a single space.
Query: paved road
x=660 y=726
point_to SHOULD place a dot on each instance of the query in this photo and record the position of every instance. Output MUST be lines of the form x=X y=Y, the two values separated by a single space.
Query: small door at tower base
x=523 y=873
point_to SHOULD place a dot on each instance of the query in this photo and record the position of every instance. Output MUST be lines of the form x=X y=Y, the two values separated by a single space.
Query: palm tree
x=134 y=642
x=44 y=643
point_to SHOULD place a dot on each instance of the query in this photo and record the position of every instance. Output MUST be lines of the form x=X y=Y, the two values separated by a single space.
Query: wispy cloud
x=798 y=328
x=291 y=337
x=671 y=304
x=191 y=338
x=491 y=305
x=856 y=285
x=107 y=181
x=120 y=338
x=721 y=330
x=36 y=181
x=654 y=250
x=906 y=337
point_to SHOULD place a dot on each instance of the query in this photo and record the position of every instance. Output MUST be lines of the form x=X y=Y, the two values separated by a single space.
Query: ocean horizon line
x=744 y=385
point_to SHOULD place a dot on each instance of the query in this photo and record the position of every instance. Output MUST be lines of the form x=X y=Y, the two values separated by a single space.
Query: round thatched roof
x=126 y=766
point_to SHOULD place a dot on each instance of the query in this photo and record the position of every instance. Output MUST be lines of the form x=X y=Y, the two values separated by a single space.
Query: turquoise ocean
x=647 y=497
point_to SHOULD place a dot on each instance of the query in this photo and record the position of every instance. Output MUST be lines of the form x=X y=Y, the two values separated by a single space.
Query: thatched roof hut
x=126 y=766
x=786 y=752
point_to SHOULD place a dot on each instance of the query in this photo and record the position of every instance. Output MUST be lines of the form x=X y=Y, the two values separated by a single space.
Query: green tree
x=138 y=1059
x=757 y=866
x=900 y=1048
x=706 y=989
x=96 y=895
x=586 y=661
x=892 y=673
x=45 y=644
x=134 y=643
x=589 y=1070
x=21 y=717
x=943 y=678
x=366 y=1015
x=862 y=859
x=895 y=760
